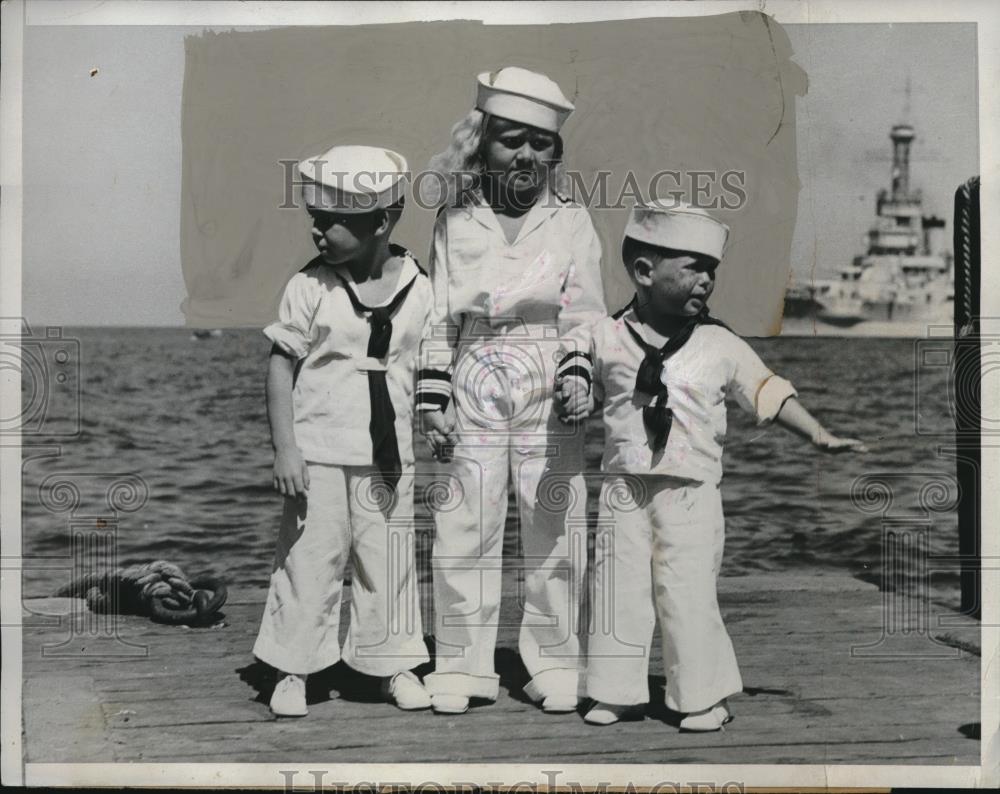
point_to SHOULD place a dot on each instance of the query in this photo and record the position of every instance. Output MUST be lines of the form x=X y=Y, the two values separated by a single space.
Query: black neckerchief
x=382 y=427
x=656 y=416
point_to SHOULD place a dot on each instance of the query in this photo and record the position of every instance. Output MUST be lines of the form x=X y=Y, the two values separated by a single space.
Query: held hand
x=291 y=475
x=574 y=400
x=439 y=429
x=831 y=443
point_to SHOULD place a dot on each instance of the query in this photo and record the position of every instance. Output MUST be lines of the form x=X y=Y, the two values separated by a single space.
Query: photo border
x=16 y=15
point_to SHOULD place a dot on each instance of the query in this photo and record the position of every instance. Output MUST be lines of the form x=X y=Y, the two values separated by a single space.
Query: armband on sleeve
x=576 y=364
x=433 y=389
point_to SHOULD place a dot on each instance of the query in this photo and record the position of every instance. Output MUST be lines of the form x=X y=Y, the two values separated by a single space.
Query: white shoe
x=610 y=713
x=449 y=704
x=405 y=690
x=289 y=697
x=560 y=704
x=708 y=720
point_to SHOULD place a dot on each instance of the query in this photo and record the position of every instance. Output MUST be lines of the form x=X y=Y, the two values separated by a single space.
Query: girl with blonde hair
x=461 y=166
x=515 y=266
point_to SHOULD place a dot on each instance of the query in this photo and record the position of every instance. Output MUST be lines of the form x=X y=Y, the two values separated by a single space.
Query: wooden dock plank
x=68 y=708
x=198 y=695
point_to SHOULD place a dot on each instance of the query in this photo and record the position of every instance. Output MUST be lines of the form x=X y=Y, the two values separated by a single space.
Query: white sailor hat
x=673 y=224
x=353 y=179
x=519 y=95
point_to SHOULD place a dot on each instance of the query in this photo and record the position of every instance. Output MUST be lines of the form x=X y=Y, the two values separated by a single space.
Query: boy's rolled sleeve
x=771 y=395
x=757 y=390
x=292 y=332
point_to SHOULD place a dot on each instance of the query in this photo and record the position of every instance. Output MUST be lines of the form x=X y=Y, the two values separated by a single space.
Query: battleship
x=906 y=274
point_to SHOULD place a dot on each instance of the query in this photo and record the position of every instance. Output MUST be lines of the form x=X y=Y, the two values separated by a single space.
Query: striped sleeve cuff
x=433 y=389
x=576 y=364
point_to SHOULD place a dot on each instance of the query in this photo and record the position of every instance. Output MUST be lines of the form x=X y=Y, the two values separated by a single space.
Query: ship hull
x=840 y=320
x=839 y=315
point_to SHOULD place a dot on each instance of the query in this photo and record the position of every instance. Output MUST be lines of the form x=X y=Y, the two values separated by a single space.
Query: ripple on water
x=194 y=428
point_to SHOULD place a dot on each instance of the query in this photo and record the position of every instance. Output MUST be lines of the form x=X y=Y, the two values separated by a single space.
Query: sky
x=102 y=155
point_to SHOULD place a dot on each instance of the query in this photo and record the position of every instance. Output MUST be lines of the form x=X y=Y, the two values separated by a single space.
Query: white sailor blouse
x=330 y=333
x=712 y=365
x=549 y=277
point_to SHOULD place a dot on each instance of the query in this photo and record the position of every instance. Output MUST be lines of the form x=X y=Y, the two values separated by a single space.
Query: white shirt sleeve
x=293 y=330
x=441 y=326
x=583 y=292
x=437 y=349
x=597 y=347
x=757 y=390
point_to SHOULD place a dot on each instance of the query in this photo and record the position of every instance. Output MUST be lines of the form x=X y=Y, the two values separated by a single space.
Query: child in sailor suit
x=340 y=396
x=507 y=288
x=663 y=369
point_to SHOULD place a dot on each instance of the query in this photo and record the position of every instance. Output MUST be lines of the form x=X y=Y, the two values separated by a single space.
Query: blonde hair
x=461 y=165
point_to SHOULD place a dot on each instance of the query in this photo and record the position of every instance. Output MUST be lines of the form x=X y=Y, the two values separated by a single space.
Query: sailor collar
x=548 y=203
x=407 y=273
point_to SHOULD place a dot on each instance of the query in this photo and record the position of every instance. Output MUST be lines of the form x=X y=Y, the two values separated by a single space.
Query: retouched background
x=104 y=108
x=707 y=94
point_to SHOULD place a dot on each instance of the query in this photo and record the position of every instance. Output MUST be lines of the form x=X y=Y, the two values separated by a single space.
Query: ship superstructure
x=906 y=273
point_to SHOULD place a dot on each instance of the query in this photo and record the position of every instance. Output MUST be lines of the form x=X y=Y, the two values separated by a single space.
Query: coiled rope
x=158 y=590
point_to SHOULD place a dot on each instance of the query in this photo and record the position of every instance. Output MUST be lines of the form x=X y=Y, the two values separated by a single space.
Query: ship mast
x=902 y=136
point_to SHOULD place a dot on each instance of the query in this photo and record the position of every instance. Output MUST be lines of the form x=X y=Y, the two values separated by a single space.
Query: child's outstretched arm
x=772 y=398
x=291 y=476
x=797 y=419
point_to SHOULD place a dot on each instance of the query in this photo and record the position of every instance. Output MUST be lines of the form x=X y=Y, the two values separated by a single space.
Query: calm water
x=186 y=419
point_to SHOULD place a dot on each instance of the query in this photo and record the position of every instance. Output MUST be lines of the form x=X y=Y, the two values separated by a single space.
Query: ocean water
x=168 y=450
